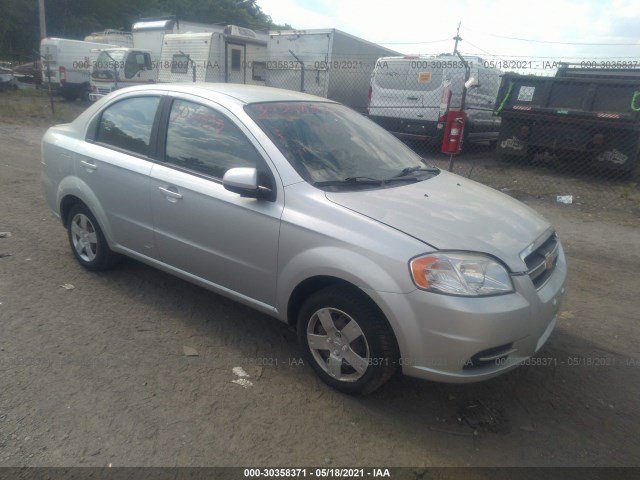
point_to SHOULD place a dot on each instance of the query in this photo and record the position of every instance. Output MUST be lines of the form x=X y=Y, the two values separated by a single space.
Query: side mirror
x=244 y=181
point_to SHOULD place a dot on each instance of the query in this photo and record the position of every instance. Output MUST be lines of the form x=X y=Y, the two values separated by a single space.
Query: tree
x=75 y=19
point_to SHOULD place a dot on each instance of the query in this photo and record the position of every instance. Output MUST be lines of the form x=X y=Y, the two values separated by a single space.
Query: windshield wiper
x=349 y=181
x=419 y=168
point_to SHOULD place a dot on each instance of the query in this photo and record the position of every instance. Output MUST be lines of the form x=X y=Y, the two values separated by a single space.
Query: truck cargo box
x=589 y=116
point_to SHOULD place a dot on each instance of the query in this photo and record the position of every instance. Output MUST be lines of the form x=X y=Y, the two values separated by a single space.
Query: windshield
x=330 y=144
x=106 y=63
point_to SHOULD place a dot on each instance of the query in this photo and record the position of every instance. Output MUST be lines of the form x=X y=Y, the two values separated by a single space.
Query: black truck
x=589 y=115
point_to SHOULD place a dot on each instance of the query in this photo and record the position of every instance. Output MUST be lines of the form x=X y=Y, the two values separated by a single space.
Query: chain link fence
x=571 y=138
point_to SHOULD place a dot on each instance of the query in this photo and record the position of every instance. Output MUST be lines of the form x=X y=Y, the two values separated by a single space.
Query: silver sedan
x=309 y=212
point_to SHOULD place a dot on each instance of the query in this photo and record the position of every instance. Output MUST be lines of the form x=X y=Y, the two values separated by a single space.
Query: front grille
x=543 y=260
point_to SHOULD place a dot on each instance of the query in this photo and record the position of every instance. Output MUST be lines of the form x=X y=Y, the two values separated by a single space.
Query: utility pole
x=456 y=38
x=43 y=23
x=467 y=74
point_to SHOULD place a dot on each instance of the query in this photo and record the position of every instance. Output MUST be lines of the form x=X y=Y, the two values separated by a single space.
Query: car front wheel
x=87 y=240
x=347 y=340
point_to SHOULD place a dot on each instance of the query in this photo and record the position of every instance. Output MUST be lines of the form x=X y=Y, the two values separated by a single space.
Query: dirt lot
x=104 y=373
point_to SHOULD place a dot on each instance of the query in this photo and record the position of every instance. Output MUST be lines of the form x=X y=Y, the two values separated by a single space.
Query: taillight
x=63 y=75
x=598 y=139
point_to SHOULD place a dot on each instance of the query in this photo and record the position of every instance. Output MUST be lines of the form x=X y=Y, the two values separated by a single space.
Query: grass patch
x=32 y=107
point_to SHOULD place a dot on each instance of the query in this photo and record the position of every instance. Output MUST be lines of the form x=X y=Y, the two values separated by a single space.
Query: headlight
x=460 y=274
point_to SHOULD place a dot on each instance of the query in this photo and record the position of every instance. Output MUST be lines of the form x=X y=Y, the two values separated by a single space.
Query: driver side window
x=205 y=141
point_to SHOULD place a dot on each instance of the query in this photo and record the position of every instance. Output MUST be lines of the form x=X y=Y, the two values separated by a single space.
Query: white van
x=69 y=64
x=411 y=95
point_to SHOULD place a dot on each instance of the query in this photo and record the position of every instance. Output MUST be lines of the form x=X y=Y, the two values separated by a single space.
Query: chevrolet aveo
x=309 y=212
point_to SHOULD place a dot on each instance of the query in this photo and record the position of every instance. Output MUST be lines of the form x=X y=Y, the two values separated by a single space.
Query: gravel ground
x=135 y=368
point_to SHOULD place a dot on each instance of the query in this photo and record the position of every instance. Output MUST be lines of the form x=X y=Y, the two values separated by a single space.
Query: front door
x=200 y=227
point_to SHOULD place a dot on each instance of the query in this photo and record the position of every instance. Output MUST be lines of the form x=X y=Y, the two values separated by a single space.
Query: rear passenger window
x=128 y=124
x=205 y=141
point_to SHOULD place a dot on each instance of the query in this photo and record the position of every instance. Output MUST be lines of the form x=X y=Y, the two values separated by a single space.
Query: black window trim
x=94 y=125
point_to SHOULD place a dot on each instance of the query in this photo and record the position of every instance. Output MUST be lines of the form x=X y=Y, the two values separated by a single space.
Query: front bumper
x=460 y=339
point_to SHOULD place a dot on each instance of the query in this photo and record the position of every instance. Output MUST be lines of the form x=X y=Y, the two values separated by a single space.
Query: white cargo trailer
x=324 y=62
x=232 y=55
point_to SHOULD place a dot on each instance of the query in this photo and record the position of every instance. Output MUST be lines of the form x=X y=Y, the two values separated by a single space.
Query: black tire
x=517 y=159
x=87 y=241
x=70 y=95
x=369 y=341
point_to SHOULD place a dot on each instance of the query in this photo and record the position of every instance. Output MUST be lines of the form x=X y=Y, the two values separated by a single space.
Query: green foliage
x=75 y=19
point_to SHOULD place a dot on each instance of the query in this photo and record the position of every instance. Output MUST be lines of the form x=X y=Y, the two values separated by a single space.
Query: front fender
x=347 y=265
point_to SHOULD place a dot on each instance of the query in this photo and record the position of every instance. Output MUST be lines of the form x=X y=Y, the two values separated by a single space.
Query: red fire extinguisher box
x=453 y=132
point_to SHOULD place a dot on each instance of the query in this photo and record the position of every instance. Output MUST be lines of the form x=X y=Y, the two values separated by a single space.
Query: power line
x=414 y=43
x=573 y=57
x=532 y=40
x=483 y=51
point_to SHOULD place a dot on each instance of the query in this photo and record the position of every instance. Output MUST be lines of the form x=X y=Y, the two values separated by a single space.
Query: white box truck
x=111 y=37
x=324 y=62
x=231 y=55
x=125 y=67
x=67 y=64
x=116 y=68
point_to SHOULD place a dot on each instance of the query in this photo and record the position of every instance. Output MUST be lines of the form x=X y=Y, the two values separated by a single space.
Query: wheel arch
x=66 y=204
x=311 y=285
x=308 y=287
x=85 y=196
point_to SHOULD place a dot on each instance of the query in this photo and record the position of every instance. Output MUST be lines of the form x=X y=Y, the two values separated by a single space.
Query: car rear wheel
x=347 y=340
x=87 y=240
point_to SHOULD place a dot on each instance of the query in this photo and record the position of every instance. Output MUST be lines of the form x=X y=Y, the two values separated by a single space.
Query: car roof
x=240 y=92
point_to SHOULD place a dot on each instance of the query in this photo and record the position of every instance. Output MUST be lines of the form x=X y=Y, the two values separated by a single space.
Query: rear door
x=480 y=101
x=406 y=96
x=114 y=166
x=406 y=88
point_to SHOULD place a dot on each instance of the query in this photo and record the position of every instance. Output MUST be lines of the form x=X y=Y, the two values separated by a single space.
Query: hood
x=450 y=212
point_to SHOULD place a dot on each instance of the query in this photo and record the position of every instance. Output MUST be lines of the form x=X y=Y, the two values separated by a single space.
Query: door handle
x=412 y=98
x=170 y=193
x=88 y=166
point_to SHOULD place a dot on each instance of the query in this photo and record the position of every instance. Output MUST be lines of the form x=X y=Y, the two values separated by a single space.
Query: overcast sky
x=489 y=27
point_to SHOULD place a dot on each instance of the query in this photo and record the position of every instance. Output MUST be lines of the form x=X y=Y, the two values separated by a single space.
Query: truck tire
x=69 y=95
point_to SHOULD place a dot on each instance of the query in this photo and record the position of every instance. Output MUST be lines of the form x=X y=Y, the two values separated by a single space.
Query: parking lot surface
x=134 y=367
